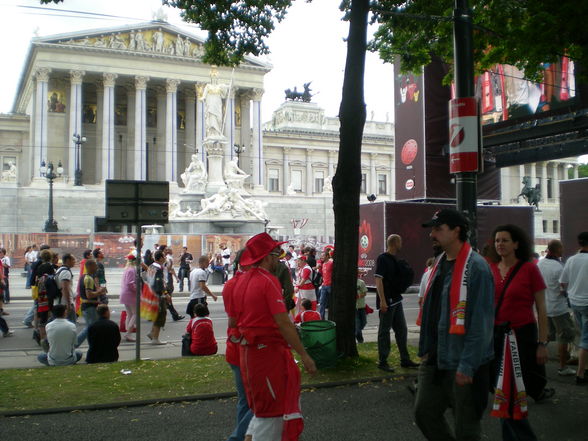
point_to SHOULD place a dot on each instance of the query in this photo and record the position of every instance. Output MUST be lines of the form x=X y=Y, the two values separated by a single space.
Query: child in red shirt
x=307 y=314
x=202 y=332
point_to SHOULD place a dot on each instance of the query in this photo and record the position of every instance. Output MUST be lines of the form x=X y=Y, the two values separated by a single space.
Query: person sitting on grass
x=61 y=335
x=307 y=314
x=103 y=338
x=202 y=332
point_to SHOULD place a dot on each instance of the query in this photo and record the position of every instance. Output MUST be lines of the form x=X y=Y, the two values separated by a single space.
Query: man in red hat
x=270 y=375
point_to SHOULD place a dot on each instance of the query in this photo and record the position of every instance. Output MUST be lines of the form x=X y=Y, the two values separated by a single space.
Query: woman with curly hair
x=518 y=288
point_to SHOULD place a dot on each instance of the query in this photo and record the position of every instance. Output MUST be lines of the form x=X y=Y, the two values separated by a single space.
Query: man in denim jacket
x=455 y=365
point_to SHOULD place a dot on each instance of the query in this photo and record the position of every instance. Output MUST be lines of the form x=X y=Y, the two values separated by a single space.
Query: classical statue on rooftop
x=294 y=95
x=531 y=194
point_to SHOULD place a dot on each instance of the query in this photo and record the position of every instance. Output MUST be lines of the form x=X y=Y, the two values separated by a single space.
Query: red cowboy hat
x=257 y=248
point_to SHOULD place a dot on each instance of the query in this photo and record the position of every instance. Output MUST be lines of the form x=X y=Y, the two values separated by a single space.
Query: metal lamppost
x=78 y=140
x=238 y=150
x=49 y=173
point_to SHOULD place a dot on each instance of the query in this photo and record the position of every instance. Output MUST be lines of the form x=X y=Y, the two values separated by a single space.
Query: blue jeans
x=324 y=299
x=90 y=317
x=29 y=316
x=42 y=357
x=244 y=414
x=360 y=322
x=581 y=314
x=393 y=319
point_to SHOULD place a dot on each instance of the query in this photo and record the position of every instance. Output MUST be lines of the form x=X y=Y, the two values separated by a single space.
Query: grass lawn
x=81 y=385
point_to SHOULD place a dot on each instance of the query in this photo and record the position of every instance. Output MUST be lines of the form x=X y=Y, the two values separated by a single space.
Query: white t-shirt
x=197 y=275
x=169 y=265
x=555 y=303
x=575 y=274
x=60 y=276
x=226 y=255
x=31 y=256
x=62 y=336
x=6 y=262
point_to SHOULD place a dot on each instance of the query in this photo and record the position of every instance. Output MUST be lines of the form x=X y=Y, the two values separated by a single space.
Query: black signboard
x=134 y=202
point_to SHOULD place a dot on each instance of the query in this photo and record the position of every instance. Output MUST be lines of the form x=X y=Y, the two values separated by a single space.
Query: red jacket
x=202 y=332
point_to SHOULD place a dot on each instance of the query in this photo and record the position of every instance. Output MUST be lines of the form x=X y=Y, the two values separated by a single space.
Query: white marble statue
x=213 y=98
x=328 y=185
x=215 y=204
x=234 y=176
x=132 y=41
x=10 y=174
x=230 y=202
x=116 y=42
x=179 y=45
x=187 y=47
x=195 y=176
x=140 y=42
x=158 y=41
x=290 y=189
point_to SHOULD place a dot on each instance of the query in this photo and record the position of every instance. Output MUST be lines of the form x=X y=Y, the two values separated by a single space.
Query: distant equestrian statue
x=294 y=95
x=531 y=194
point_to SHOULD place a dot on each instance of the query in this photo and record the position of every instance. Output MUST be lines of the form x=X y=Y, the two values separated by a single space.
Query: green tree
x=523 y=33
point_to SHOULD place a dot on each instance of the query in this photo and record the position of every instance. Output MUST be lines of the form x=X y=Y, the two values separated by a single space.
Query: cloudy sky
x=307 y=46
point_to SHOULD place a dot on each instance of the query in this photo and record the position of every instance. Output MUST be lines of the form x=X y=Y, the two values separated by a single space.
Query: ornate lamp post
x=78 y=140
x=49 y=173
x=238 y=150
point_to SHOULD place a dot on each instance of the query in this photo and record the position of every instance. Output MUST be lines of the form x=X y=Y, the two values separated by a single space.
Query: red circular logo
x=409 y=152
x=409 y=185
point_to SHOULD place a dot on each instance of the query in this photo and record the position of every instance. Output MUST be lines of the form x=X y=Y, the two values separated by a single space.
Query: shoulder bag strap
x=513 y=273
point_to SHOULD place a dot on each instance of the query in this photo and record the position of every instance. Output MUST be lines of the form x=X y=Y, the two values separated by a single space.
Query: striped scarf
x=458 y=292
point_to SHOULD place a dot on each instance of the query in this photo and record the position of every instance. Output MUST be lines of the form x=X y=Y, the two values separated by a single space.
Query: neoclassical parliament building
x=127 y=103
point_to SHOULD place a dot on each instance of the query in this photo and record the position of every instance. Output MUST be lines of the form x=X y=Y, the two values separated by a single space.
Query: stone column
x=108 y=146
x=229 y=129
x=505 y=191
x=190 y=124
x=129 y=155
x=257 y=140
x=40 y=119
x=171 y=130
x=156 y=149
x=140 y=159
x=373 y=176
x=286 y=170
x=75 y=120
x=556 y=167
x=247 y=156
x=200 y=121
x=544 y=182
x=520 y=183
x=533 y=174
x=309 y=177
x=576 y=171
x=331 y=154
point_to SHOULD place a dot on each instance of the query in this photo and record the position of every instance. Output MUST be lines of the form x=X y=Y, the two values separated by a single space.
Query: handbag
x=187 y=341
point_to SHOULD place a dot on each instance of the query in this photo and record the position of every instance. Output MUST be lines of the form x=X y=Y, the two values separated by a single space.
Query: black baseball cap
x=449 y=217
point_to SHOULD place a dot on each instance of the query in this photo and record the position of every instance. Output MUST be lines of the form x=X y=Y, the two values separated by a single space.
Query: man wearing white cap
x=270 y=375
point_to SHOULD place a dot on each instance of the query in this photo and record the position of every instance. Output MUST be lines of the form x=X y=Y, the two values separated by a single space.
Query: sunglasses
x=273 y=253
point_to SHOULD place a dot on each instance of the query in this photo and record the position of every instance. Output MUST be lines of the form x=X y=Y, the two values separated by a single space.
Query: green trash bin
x=319 y=339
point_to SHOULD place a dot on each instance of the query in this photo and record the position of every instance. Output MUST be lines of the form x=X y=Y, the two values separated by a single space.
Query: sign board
x=464 y=135
x=133 y=202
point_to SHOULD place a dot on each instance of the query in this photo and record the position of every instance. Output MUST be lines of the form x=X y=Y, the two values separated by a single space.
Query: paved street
x=370 y=412
x=21 y=350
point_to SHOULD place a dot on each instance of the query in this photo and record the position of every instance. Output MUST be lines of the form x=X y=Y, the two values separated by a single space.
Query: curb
x=202 y=397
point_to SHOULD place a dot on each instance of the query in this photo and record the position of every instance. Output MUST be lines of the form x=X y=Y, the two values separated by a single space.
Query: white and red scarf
x=510 y=399
x=458 y=292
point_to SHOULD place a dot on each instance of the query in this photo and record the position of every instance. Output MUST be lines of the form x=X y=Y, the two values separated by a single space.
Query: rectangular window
x=549 y=188
x=363 y=188
x=274 y=180
x=556 y=226
x=545 y=226
x=296 y=180
x=382 y=184
x=319 y=181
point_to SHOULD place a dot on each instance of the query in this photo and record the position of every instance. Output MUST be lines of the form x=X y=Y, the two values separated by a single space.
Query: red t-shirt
x=307 y=316
x=232 y=351
x=327 y=272
x=305 y=274
x=203 y=341
x=519 y=298
x=260 y=299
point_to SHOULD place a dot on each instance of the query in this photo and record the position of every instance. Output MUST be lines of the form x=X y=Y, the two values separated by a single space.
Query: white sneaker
x=565 y=372
x=157 y=342
x=8 y=333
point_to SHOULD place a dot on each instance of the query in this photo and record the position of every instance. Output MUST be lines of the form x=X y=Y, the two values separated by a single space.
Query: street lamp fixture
x=48 y=172
x=238 y=150
x=78 y=140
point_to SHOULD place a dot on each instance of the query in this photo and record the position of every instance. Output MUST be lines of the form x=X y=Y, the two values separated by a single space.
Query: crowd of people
x=485 y=320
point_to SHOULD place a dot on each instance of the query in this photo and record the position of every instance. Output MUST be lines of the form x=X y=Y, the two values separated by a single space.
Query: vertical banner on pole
x=464 y=132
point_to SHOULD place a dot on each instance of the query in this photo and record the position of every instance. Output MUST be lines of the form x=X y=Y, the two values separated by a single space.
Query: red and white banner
x=464 y=129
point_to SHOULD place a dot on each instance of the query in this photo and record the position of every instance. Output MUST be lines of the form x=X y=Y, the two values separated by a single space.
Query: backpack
x=316 y=278
x=47 y=284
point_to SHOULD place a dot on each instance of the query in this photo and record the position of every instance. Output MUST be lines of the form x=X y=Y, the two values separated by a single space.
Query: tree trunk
x=347 y=182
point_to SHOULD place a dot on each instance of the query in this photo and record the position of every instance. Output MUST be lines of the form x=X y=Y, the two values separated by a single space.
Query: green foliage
x=524 y=33
x=235 y=28
x=582 y=171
